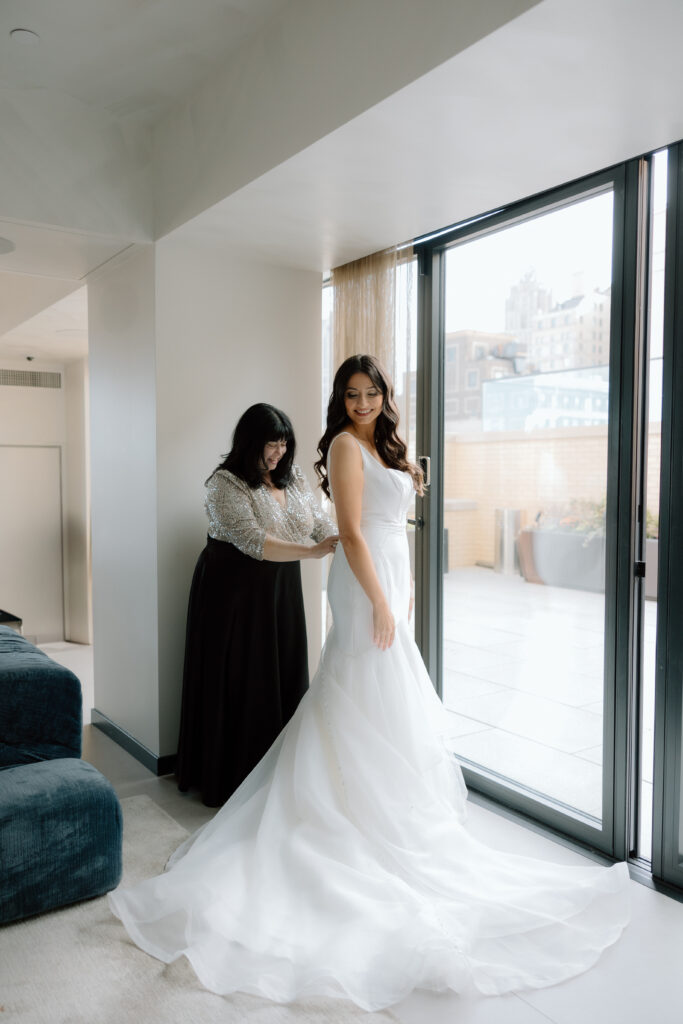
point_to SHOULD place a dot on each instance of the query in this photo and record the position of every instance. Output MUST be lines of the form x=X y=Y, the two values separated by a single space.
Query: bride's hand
x=383 y=626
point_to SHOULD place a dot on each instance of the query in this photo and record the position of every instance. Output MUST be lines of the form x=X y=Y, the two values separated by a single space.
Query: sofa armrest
x=41 y=705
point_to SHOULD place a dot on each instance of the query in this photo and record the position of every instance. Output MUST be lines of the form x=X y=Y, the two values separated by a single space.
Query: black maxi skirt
x=246 y=666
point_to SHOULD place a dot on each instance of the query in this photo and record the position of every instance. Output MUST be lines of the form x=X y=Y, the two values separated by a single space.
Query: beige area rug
x=78 y=966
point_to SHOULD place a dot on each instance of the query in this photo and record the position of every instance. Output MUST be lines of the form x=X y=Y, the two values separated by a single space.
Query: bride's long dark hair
x=390 y=447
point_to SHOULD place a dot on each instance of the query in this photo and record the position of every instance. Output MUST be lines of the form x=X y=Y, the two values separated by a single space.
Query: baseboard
x=159 y=765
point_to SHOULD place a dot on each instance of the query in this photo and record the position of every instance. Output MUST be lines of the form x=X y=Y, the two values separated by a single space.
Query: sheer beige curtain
x=370 y=313
x=365 y=310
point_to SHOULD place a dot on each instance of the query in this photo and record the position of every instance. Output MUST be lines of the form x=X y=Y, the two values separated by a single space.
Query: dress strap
x=349 y=434
x=341 y=434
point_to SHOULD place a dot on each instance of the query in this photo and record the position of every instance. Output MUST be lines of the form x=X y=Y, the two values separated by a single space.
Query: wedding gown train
x=341 y=866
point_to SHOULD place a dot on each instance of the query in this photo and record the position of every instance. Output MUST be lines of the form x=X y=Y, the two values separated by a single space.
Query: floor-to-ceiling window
x=539 y=401
x=526 y=402
x=540 y=374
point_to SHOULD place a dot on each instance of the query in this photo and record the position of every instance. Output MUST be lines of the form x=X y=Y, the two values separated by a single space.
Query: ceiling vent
x=30 y=379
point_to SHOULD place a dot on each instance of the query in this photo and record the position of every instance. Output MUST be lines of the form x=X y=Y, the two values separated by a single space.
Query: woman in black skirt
x=246 y=658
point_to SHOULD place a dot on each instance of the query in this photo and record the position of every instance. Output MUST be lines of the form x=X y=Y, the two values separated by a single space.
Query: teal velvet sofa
x=60 y=819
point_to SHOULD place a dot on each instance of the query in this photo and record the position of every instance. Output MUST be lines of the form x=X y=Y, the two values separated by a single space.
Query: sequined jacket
x=243 y=515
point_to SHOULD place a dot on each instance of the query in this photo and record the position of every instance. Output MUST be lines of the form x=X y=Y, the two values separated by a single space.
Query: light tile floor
x=523 y=679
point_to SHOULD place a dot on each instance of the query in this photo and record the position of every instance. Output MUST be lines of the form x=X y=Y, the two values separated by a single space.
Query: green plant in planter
x=586 y=518
x=565 y=546
x=651 y=525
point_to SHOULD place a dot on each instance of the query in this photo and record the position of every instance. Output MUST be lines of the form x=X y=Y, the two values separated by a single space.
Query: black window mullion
x=622 y=696
x=666 y=855
x=429 y=441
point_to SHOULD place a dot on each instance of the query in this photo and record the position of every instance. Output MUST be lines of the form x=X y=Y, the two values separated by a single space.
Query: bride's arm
x=346 y=479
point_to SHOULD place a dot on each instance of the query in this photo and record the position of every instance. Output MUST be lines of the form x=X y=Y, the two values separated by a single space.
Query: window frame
x=626 y=182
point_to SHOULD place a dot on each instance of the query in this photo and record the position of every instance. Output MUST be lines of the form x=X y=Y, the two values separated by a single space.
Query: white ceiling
x=58 y=333
x=569 y=87
x=46 y=265
x=132 y=58
x=51 y=252
x=566 y=88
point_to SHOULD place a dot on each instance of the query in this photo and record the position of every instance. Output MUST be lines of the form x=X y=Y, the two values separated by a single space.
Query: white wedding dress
x=341 y=866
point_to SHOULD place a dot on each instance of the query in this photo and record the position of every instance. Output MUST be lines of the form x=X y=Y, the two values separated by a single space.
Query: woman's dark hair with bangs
x=257 y=426
x=389 y=445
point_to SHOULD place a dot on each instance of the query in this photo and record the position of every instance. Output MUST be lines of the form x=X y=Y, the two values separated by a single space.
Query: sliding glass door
x=541 y=375
x=526 y=406
x=549 y=548
x=530 y=318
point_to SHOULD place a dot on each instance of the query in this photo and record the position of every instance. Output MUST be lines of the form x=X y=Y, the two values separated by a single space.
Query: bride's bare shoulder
x=344 y=440
x=346 y=450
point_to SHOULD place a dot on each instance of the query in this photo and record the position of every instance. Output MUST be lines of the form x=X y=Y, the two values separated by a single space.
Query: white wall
x=121 y=326
x=182 y=340
x=77 y=567
x=230 y=332
x=32 y=415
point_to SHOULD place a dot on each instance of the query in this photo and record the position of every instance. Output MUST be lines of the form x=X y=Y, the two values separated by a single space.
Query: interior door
x=31 y=572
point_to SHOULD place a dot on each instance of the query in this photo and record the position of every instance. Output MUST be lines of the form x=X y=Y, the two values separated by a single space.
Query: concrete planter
x=562 y=559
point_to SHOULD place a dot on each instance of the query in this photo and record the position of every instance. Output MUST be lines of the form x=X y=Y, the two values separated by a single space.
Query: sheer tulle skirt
x=342 y=866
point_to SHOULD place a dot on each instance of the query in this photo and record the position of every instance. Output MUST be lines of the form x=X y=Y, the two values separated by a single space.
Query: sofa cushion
x=41 y=705
x=60 y=836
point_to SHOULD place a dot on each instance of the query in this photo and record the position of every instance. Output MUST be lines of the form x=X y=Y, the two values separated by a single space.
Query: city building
x=572 y=333
x=527 y=299
x=471 y=359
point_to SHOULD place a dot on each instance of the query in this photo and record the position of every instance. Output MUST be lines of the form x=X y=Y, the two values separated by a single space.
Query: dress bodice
x=387 y=493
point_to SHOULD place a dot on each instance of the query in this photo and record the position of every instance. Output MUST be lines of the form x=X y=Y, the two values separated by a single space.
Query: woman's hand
x=383 y=626
x=411 y=603
x=325 y=547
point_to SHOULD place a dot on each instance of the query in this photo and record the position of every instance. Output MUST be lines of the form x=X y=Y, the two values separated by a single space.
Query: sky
x=557 y=245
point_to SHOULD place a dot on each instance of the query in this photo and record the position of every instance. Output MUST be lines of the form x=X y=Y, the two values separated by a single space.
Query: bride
x=341 y=866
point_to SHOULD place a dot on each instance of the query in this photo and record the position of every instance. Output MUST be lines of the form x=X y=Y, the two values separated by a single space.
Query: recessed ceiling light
x=6 y=246
x=24 y=36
